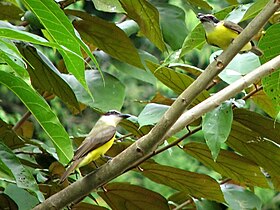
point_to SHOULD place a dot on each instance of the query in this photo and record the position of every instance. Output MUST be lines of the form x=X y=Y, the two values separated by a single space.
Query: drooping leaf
x=106 y=36
x=255 y=147
x=53 y=18
x=22 y=198
x=216 y=126
x=43 y=114
x=198 y=185
x=111 y=90
x=175 y=16
x=127 y=196
x=147 y=17
x=45 y=77
x=161 y=99
x=228 y=164
x=151 y=114
x=176 y=81
x=24 y=179
x=132 y=126
x=265 y=126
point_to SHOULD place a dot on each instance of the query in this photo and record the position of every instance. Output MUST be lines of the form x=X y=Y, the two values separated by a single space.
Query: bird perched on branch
x=222 y=33
x=97 y=143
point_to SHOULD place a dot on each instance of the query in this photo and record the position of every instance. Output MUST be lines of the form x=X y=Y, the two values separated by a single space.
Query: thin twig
x=21 y=121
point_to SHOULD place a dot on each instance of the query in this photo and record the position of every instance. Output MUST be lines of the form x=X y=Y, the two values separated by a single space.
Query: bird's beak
x=125 y=116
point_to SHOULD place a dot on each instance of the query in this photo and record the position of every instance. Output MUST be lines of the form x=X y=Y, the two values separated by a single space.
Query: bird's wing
x=94 y=141
x=233 y=26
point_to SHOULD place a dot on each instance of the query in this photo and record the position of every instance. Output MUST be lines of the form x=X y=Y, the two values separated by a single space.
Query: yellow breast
x=95 y=154
x=222 y=37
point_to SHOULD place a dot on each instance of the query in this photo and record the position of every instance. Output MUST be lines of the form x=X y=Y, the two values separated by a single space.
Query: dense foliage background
x=63 y=63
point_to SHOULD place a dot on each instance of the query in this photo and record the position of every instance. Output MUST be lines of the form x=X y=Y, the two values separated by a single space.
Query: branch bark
x=147 y=144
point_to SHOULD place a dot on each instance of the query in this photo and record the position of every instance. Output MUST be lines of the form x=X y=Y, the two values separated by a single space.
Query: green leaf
x=45 y=77
x=270 y=43
x=107 y=37
x=107 y=95
x=216 y=126
x=255 y=147
x=228 y=164
x=241 y=199
x=151 y=114
x=22 y=198
x=11 y=56
x=53 y=18
x=176 y=81
x=239 y=66
x=10 y=12
x=23 y=177
x=9 y=137
x=147 y=17
x=265 y=126
x=174 y=16
x=255 y=9
x=207 y=205
x=43 y=114
x=127 y=196
x=108 y=6
x=197 y=185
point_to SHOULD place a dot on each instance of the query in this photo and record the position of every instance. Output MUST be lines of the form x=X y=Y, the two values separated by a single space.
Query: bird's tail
x=69 y=170
x=256 y=51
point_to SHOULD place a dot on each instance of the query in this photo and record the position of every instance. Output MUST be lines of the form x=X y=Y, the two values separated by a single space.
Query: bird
x=222 y=33
x=97 y=143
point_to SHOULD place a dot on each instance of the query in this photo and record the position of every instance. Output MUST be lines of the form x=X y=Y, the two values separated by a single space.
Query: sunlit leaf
x=255 y=9
x=9 y=11
x=43 y=114
x=108 y=6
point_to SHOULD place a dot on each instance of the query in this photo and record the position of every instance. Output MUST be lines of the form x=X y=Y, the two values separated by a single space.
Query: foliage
x=62 y=58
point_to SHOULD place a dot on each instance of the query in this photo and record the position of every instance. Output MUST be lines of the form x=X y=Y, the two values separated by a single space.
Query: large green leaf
x=255 y=9
x=216 y=126
x=265 y=126
x=45 y=77
x=23 y=199
x=151 y=114
x=62 y=32
x=127 y=196
x=24 y=179
x=198 y=185
x=176 y=81
x=106 y=36
x=200 y=3
x=174 y=16
x=147 y=17
x=42 y=112
x=255 y=147
x=228 y=164
x=108 y=93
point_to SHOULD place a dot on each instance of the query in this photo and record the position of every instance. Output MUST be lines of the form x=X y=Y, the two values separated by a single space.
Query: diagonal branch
x=147 y=144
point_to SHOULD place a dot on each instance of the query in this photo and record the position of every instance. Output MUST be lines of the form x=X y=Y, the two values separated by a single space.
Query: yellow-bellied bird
x=222 y=33
x=97 y=143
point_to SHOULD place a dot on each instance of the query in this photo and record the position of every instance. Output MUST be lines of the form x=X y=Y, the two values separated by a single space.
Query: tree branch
x=147 y=144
